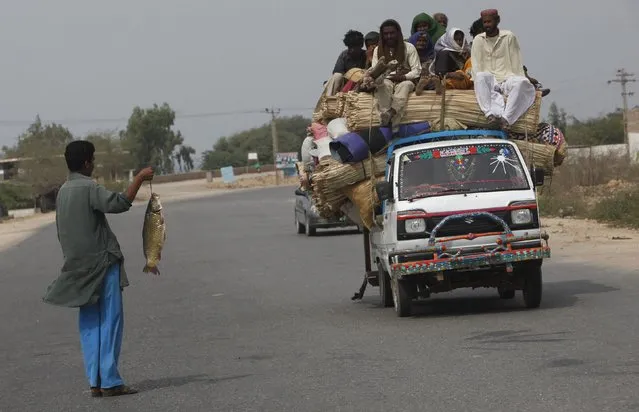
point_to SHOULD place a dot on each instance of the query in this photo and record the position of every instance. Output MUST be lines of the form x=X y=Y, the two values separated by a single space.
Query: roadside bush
x=604 y=188
x=619 y=209
x=15 y=196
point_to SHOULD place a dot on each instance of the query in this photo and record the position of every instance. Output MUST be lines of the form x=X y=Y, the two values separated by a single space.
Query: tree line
x=149 y=139
x=606 y=129
x=233 y=150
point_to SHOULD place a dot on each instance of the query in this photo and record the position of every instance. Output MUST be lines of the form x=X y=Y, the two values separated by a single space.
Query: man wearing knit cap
x=498 y=72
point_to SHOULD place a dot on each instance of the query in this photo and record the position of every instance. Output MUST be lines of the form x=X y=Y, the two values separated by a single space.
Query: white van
x=459 y=210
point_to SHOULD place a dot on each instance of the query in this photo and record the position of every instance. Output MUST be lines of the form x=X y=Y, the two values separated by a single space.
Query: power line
x=624 y=78
x=125 y=119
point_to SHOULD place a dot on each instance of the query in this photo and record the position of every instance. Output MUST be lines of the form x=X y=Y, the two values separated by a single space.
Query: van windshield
x=472 y=168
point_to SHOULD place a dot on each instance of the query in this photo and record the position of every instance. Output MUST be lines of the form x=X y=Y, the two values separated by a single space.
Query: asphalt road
x=250 y=316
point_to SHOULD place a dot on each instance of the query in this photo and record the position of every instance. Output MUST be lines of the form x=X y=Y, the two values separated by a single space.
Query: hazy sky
x=79 y=61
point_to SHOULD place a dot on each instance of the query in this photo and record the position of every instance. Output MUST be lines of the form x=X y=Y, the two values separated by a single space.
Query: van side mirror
x=384 y=191
x=299 y=192
x=538 y=176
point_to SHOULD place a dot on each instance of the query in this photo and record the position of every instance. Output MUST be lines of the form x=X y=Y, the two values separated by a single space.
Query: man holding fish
x=93 y=276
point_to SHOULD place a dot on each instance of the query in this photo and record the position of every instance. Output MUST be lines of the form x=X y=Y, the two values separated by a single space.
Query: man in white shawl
x=498 y=72
x=451 y=53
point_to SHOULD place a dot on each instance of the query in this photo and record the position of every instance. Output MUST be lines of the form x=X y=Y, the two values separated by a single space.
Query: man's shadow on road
x=174 y=382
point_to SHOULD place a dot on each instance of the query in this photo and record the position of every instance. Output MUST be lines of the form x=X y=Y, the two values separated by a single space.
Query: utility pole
x=624 y=78
x=274 y=112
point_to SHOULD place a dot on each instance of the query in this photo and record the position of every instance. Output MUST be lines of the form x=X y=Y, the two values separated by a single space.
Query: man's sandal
x=119 y=391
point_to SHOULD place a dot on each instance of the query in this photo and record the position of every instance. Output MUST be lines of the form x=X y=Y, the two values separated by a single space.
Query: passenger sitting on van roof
x=353 y=57
x=452 y=58
x=371 y=40
x=496 y=60
x=425 y=49
x=393 y=92
x=442 y=19
x=478 y=27
x=424 y=23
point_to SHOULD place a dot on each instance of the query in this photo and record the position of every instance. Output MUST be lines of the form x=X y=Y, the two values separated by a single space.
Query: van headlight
x=415 y=225
x=521 y=216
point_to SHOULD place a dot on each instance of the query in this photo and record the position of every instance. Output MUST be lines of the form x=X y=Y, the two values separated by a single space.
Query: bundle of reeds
x=364 y=198
x=538 y=154
x=332 y=107
x=460 y=105
x=330 y=176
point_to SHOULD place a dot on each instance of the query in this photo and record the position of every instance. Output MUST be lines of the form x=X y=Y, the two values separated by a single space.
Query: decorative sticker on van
x=461 y=167
x=450 y=152
x=502 y=159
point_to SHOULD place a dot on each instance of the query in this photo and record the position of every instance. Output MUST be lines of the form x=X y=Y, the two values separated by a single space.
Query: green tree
x=233 y=150
x=112 y=161
x=606 y=129
x=184 y=157
x=150 y=138
x=41 y=148
x=558 y=117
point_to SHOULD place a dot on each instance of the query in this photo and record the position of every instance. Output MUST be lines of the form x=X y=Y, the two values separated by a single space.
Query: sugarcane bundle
x=364 y=198
x=538 y=154
x=460 y=105
x=332 y=107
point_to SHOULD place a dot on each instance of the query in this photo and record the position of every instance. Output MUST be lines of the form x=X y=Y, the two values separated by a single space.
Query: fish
x=153 y=234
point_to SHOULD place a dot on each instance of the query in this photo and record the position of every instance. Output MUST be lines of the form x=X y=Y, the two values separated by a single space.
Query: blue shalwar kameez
x=101 y=327
x=92 y=276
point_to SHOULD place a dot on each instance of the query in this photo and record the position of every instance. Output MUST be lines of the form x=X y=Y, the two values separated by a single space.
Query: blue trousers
x=101 y=327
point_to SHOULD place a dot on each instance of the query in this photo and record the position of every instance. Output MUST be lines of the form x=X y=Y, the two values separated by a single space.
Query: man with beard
x=393 y=91
x=353 y=57
x=478 y=27
x=498 y=72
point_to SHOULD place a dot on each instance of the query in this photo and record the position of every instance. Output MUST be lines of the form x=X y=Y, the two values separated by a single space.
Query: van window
x=472 y=168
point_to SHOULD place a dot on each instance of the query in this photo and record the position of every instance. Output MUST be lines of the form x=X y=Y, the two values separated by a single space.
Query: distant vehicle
x=308 y=221
x=46 y=198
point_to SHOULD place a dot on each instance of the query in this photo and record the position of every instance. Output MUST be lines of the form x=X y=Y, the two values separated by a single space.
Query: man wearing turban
x=498 y=72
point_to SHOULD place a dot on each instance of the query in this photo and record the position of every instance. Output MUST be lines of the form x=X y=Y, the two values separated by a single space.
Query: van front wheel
x=532 y=289
x=385 y=290
x=402 y=298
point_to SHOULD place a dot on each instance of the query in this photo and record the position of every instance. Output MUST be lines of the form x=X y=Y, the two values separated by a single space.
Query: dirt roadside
x=571 y=240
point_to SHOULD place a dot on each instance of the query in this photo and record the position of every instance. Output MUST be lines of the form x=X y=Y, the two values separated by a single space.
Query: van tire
x=402 y=299
x=385 y=289
x=532 y=290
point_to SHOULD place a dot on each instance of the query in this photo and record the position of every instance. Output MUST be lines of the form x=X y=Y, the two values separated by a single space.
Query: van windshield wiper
x=453 y=190
x=440 y=192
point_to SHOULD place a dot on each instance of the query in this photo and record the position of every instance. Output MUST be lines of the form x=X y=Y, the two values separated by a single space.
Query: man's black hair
x=77 y=153
x=372 y=36
x=354 y=39
x=477 y=27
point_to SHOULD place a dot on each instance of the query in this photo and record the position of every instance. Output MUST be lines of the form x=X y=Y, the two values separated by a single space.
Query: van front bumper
x=482 y=250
